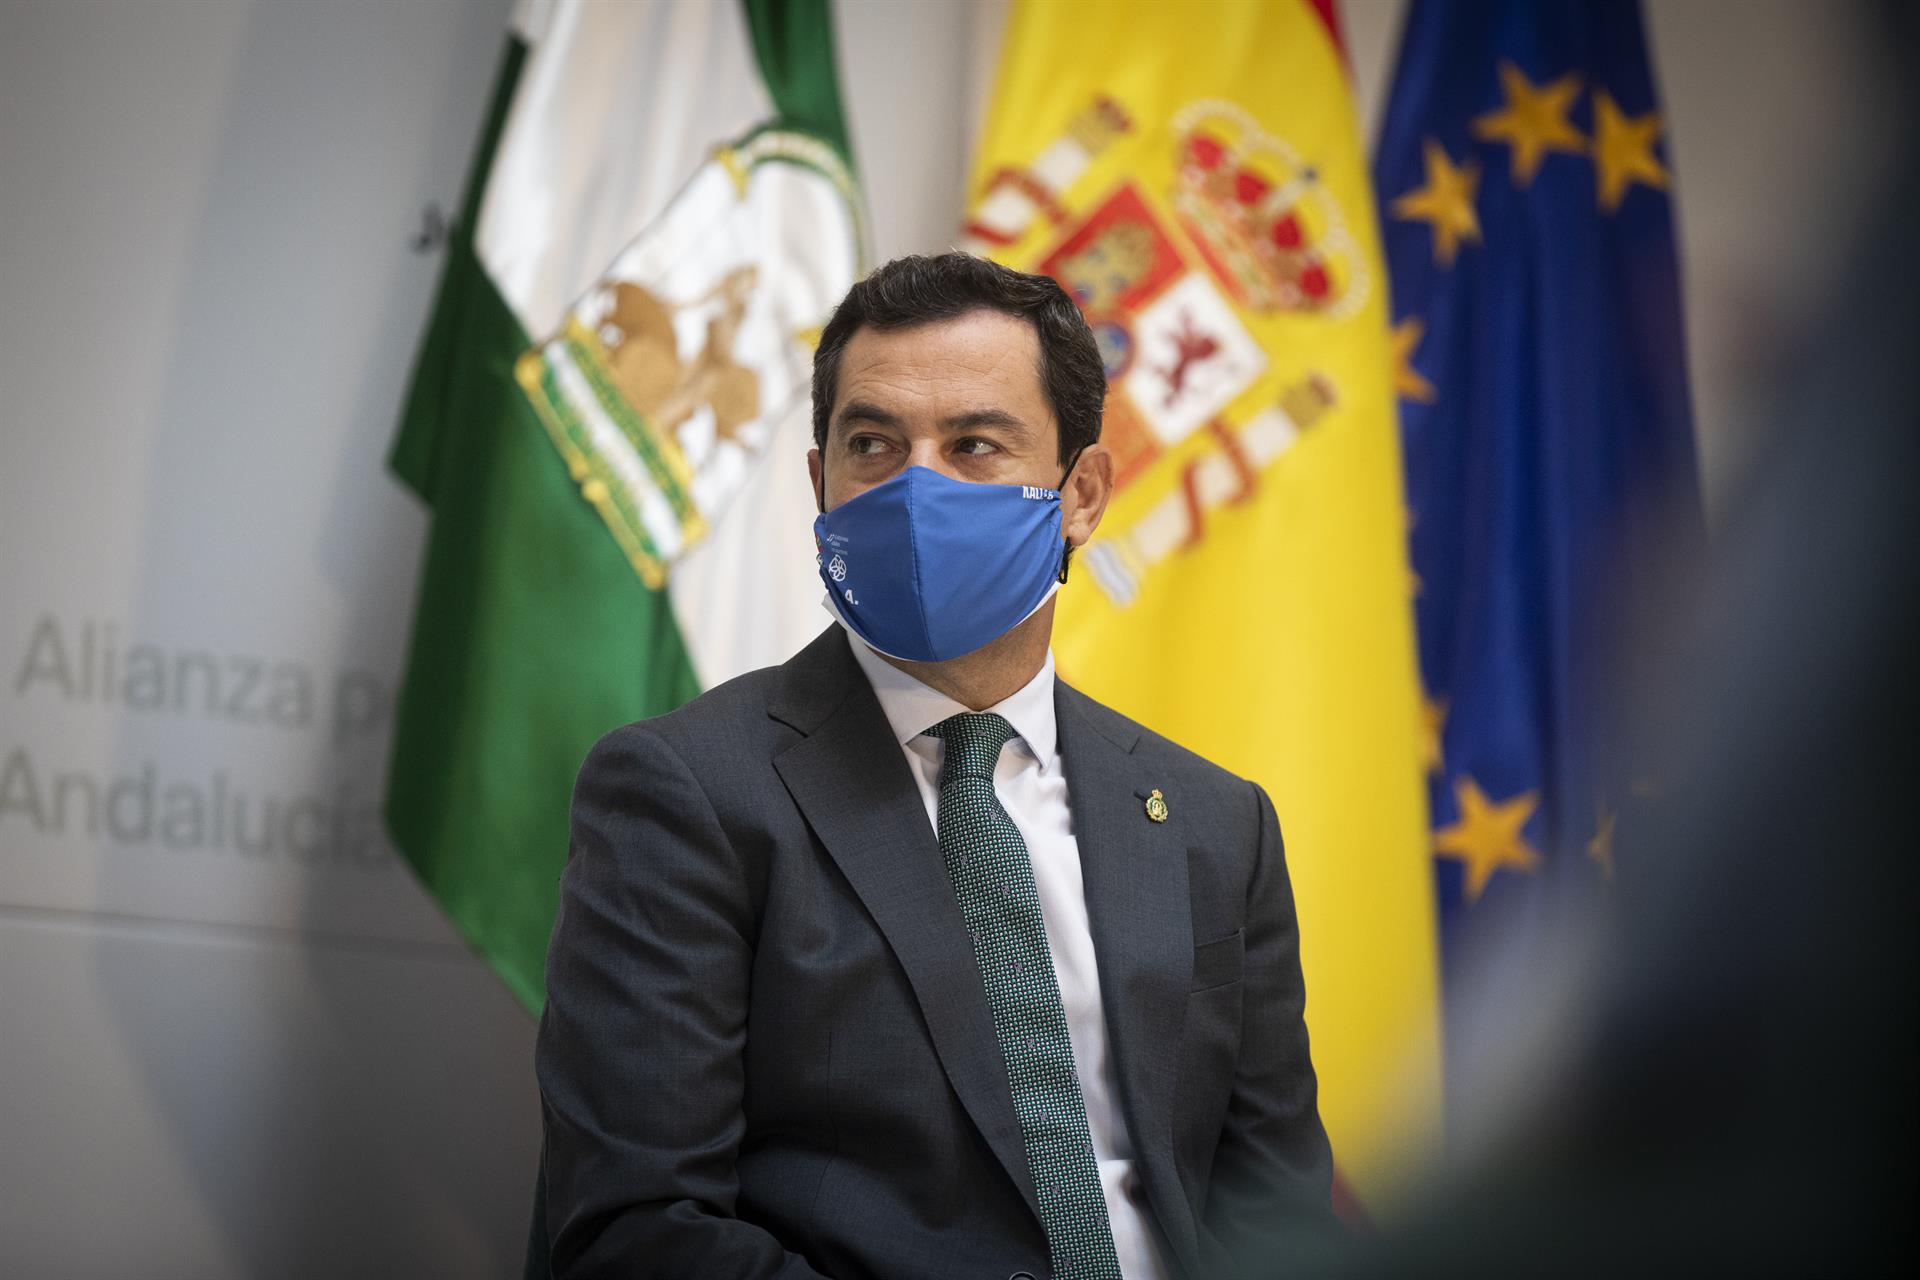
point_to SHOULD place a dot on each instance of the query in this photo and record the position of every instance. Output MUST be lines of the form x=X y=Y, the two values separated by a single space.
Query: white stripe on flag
x=617 y=105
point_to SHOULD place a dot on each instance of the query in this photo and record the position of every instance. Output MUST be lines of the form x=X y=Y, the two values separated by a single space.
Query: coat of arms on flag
x=1176 y=280
x=668 y=377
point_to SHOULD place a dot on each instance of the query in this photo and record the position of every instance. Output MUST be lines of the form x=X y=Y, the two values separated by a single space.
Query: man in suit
x=905 y=959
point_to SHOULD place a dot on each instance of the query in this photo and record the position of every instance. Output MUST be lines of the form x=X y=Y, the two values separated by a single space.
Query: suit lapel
x=852 y=783
x=1135 y=871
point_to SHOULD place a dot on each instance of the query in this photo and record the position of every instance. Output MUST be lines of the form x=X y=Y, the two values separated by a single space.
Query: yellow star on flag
x=1486 y=838
x=1407 y=380
x=1623 y=150
x=1533 y=122
x=1445 y=202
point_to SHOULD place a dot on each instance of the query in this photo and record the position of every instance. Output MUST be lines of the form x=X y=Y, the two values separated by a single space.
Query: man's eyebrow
x=978 y=418
x=973 y=420
x=863 y=411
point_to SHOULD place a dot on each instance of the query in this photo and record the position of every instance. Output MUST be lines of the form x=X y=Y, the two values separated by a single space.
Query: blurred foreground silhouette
x=1721 y=1077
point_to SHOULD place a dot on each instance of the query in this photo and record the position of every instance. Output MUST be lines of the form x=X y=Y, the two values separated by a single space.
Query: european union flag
x=1528 y=223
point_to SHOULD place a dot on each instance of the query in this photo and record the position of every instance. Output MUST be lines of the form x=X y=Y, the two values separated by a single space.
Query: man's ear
x=816 y=472
x=1088 y=489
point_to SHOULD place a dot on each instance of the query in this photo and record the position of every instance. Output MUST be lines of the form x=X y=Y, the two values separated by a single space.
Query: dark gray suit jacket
x=767 y=1050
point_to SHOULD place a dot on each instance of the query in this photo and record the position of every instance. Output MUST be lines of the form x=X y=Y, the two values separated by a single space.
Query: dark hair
x=919 y=290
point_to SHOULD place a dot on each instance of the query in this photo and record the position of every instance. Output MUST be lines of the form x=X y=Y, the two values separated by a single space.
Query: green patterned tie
x=987 y=860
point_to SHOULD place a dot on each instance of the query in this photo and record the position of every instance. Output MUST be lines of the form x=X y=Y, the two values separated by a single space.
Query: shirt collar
x=912 y=708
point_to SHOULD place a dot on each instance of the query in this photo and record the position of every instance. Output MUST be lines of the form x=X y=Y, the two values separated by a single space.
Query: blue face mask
x=926 y=568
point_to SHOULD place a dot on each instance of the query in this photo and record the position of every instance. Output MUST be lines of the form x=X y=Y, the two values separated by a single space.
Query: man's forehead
x=979 y=353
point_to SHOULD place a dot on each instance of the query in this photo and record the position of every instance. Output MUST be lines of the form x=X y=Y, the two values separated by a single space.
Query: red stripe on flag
x=981 y=231
x=1330 y=15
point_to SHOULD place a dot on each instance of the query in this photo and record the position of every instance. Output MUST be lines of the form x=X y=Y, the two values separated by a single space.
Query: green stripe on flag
x=793 y=44
x=415 y=447
x=532 y=636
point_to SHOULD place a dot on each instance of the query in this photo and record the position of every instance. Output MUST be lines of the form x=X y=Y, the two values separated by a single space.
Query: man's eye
x=866 y=444
x=974 y=445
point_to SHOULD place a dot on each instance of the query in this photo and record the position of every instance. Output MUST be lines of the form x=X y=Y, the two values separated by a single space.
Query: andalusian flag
x=609 y=420
x=1194 y=176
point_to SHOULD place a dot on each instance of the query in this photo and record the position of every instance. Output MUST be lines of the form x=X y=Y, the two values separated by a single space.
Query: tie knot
x=973 y=739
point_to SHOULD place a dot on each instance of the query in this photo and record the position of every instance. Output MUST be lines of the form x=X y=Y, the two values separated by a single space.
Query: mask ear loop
x=1066 y=557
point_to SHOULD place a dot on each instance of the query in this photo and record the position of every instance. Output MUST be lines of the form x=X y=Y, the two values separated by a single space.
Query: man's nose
x=927 y=452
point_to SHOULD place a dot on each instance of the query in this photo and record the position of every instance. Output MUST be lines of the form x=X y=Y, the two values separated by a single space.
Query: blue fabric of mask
x=926 y=568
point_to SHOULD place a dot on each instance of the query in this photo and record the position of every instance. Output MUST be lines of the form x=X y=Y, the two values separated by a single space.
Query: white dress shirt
x=1032 y=788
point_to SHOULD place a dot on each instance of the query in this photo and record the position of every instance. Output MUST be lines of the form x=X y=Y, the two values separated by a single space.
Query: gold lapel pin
x=1156 y=807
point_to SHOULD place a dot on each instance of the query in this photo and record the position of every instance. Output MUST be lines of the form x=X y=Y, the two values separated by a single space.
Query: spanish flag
x=1195 y=178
